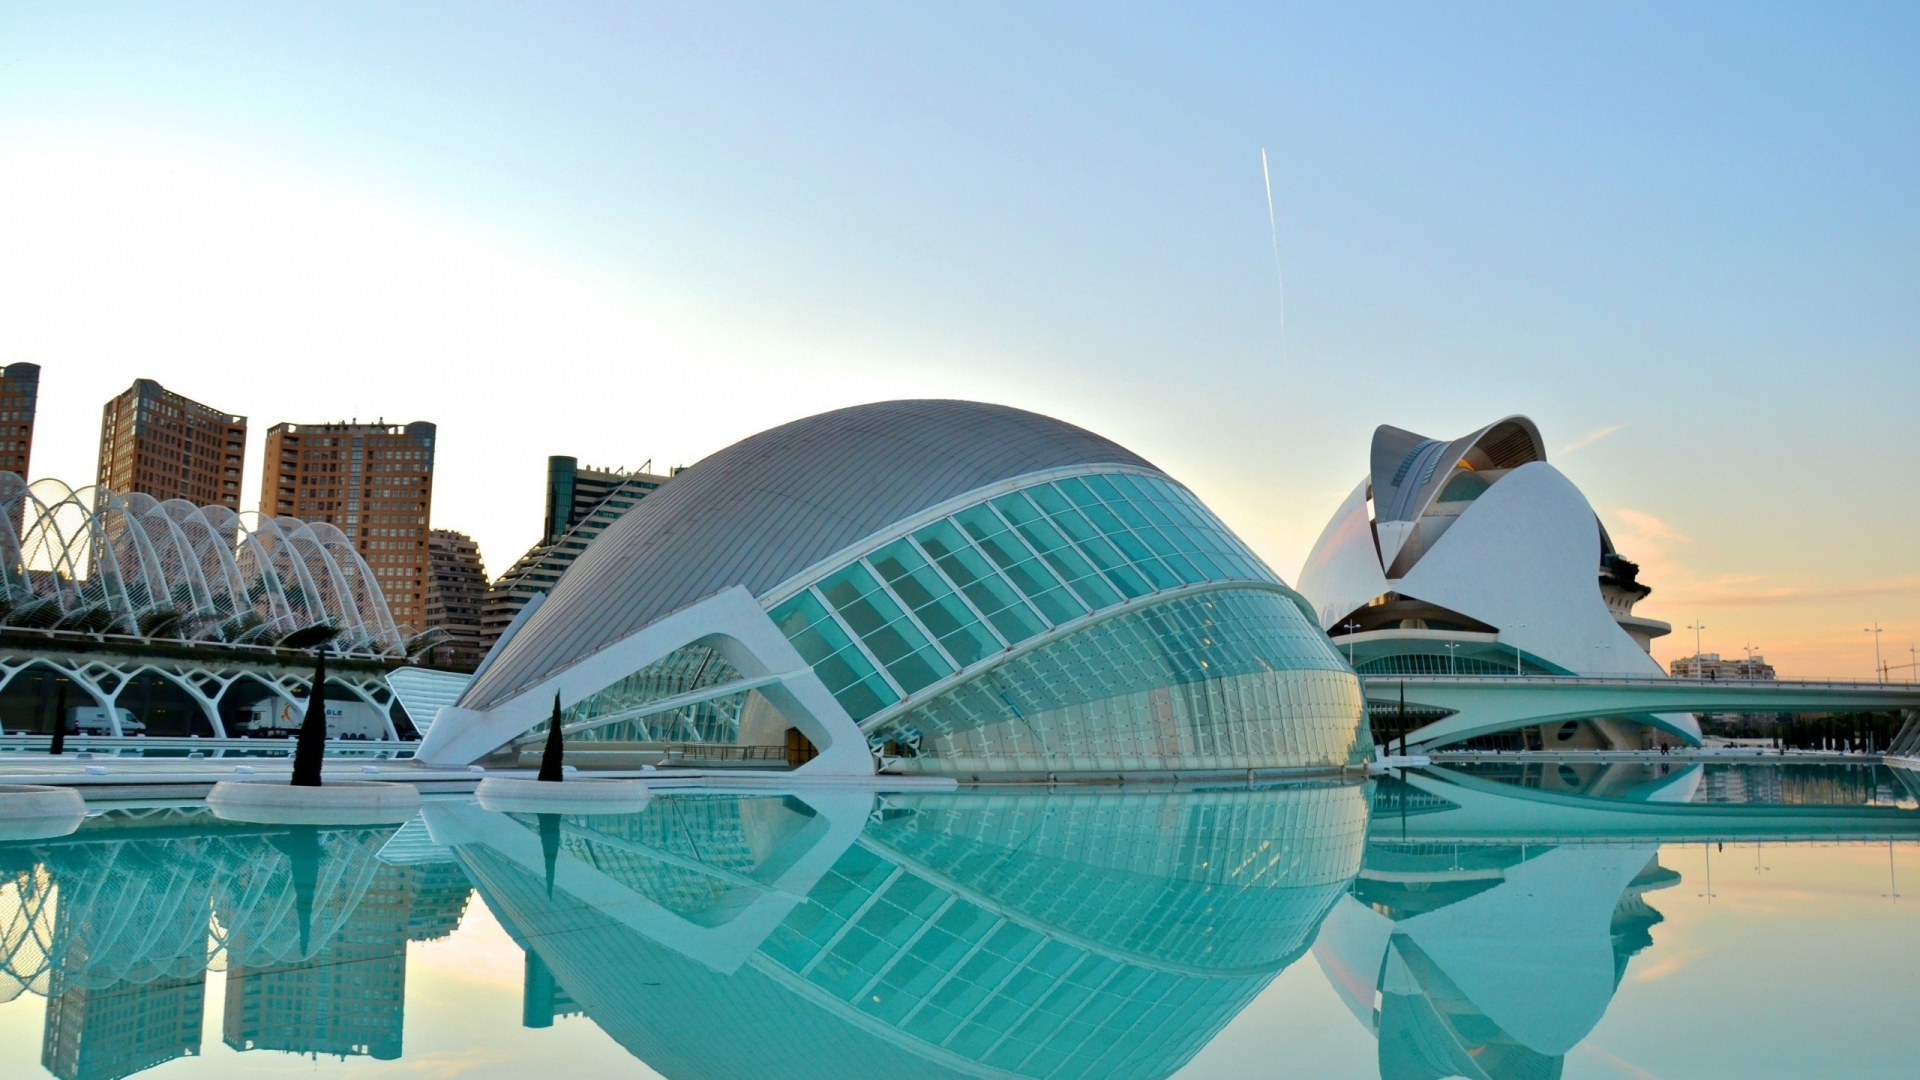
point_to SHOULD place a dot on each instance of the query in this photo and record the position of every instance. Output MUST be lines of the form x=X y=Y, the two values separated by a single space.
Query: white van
x=345 y=719
x=93 y=720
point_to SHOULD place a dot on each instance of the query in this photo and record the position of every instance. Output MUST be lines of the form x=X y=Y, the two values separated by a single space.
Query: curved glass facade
x=1003 y=572
x=1227 y=679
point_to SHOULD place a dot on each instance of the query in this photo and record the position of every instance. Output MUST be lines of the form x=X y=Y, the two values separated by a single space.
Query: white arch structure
x=95 y=561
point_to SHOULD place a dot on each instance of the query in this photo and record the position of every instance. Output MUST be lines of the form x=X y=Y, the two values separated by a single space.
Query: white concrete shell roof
x=1523 y=556
x=772 y=505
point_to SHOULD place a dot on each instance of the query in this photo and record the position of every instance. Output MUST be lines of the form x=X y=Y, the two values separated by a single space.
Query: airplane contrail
x=1273 y=234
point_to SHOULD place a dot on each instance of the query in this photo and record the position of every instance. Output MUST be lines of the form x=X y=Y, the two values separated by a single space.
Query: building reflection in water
x=1498 y=905
x=118 y=924
x=1477 y=921
x=1068 y=935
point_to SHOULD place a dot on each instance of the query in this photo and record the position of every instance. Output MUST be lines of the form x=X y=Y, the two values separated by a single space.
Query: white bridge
x=1486 y=704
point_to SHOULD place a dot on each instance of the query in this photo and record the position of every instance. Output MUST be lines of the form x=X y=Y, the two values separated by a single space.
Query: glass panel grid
x=998 y=573
x=883 y=626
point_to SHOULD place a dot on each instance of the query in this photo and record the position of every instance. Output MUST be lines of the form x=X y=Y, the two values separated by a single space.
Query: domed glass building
x=940 y=586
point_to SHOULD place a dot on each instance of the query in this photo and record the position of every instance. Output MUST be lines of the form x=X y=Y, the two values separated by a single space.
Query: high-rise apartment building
x=372 y=481
x=456 y=591
x=155 y=442
x=19 y=397
x=581 y=503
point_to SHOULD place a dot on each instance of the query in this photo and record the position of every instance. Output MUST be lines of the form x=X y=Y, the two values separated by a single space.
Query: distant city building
x=1708 y=665
x=456 y=591
x=374 y=482
x=156 y=442
x=581 y=503
x=19 y=396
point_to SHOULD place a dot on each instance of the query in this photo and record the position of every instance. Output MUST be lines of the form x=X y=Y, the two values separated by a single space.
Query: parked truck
x=94 y=720
x=277 y=716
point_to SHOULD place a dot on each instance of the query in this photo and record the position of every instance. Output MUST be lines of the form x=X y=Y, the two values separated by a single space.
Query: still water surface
x=1500 y=921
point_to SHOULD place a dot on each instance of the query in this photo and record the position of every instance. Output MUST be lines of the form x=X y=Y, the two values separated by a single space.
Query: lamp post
x=1696 y=626
x=1750 y=673
x=1517 y=669
x=1351 y=626
x=1879 y=668
x=1452 y=647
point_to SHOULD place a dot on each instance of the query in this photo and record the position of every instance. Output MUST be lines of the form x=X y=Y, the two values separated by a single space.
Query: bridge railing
x=1650 y=680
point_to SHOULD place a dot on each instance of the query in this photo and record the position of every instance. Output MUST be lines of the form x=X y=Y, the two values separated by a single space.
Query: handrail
x=1648 y=680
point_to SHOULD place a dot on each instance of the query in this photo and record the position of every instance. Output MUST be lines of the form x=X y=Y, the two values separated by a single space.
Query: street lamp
x=1517 y=669
x=1879 y=667
x=1696 y=626
x=1350 y=626
x=1452 y=647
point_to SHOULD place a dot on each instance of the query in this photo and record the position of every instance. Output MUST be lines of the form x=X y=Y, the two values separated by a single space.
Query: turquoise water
x=1496 y=921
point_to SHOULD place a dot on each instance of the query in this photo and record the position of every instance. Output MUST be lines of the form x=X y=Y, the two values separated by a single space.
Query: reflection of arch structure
x=1476 y=557
x=98 y=562
x=131 y=897
x=954 y=587
x=939 y=936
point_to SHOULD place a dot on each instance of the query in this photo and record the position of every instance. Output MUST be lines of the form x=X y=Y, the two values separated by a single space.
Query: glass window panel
x=1103 y=554
x=834 y=658
x=934 y=602
x=987 y=589
x=1066 y=561
x=881 y=623
x=1027 y=573
x=1103 y=487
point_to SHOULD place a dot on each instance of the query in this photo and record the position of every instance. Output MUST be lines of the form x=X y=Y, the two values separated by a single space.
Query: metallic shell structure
x=934 y=586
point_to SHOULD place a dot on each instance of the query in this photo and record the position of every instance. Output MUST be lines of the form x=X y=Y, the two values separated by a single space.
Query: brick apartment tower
x=19 y=396
x=155 y=442
x=456 y=590
x=372 y=481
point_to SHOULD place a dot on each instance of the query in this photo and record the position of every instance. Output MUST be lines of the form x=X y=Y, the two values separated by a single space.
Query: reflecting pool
x=1500 y=920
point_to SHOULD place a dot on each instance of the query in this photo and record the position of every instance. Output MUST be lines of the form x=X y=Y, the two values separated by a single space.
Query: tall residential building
x=372 y=481
x=581 y=503
x=155 y=442
x=456 y=591
x=19 y=396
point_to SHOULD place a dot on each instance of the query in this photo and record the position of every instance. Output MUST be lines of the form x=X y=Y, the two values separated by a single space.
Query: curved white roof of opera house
x=773 y=504
x=956 y=586
x=1476 y=536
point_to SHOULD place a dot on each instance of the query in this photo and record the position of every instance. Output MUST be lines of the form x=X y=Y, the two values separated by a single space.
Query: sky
x=1684 y=241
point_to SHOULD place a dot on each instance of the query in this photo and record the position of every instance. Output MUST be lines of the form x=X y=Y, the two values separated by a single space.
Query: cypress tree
x=59 y=720
x=311 y=745
x=550 y=758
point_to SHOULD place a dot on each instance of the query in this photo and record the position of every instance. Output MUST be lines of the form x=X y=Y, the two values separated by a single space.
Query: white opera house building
x=1475 y=557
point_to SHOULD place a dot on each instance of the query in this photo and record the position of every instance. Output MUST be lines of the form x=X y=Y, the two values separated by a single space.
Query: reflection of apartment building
x=581 y=503
x=155 y=442
x=347 y=999
x=373 y=482
x=109 y=1033
x=1708 y=665
x=456 y=591
x=19 y=398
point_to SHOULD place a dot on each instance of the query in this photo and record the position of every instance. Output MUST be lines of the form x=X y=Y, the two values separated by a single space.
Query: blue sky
x=1687 y=239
